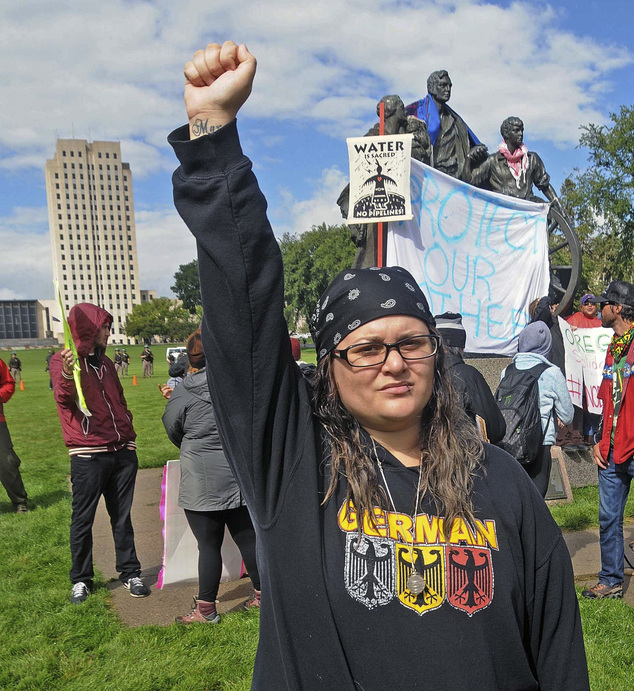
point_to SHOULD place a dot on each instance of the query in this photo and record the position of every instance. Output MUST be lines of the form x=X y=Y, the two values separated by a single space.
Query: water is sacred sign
x=379 y=178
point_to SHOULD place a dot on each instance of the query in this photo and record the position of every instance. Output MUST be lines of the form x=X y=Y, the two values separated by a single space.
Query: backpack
x=517 y=397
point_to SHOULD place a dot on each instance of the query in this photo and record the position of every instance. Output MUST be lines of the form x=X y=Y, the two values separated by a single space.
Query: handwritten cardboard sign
x=585 y=357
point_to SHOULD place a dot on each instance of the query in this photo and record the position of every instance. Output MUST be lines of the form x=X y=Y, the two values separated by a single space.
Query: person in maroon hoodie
x=103 y=458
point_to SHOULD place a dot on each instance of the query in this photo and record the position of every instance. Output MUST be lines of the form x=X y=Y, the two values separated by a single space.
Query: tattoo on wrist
x=200 y=127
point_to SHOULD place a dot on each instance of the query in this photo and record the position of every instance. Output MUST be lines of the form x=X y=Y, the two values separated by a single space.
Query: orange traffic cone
x=21 y=384
x=134 y=381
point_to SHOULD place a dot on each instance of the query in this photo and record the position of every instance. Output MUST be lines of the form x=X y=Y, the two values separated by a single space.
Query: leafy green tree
x=601 y=201
x=161 y=317
x=311 y=260
x=187 y=286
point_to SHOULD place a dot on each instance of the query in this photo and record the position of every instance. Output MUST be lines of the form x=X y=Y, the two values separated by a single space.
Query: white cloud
x=163 y=244
x=8 y=294
x=114 y=70
x=300 y=215
x=26 y=266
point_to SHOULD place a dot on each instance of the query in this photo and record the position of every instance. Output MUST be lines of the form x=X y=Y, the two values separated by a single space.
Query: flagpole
x=379 y=231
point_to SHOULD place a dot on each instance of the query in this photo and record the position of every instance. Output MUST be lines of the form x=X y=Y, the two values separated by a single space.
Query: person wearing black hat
x=382 y=519
x=125 y=362
x=614 y=448
x=147 y=358
x=15 y=367
x=477 y=399
x=117 y=359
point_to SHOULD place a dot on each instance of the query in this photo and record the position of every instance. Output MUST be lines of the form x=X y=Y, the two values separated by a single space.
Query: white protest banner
x=379 y=178
x=574 y=368
x=585 y=357
x=476 y=252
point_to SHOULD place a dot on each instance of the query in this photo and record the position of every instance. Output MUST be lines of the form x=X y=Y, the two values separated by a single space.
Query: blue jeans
x=614 y=487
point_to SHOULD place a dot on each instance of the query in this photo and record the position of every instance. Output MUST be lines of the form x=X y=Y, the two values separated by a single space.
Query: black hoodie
x=499 y=611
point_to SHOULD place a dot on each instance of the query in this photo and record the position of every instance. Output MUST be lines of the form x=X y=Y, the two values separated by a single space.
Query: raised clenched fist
x=218 y=82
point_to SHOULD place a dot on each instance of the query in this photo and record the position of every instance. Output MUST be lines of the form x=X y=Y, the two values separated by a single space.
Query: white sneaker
x=80 y=593
x=136 y=587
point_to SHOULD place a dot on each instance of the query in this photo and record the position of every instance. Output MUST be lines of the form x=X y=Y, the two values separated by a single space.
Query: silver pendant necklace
x=415 y=583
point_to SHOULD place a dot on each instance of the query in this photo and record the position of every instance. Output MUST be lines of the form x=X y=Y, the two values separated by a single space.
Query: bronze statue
x=513 y=170
x=396 y=121
x=451 y=138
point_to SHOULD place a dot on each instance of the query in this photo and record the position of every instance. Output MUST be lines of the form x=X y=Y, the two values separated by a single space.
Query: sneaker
x=197 y=617
x=20 y=508
x=603 y=590
x=136 y=587
x=80 y=593
x=254 y=601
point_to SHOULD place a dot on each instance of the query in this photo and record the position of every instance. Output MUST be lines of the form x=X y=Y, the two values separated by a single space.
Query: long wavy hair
x=451 y=449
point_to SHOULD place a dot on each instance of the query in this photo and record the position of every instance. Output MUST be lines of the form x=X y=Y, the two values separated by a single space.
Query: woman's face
x=388 y=397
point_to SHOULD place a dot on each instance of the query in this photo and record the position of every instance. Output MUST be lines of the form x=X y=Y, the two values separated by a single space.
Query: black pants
x=208 y=528
x=10 y=468
x=539 y=470
x=113 y=475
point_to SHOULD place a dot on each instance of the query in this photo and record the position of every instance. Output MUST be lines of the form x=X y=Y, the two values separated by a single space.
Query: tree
x=187 y=286
x=601 y=200
x=311 y=260
x=161 y=317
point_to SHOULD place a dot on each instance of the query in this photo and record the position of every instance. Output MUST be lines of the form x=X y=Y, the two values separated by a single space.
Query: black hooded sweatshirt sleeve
x=319 y=627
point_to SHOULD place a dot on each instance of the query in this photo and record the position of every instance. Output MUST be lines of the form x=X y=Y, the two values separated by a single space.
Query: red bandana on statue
x=517 y=161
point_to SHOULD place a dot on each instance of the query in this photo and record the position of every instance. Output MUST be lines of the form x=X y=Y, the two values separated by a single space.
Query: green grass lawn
x=47 y=643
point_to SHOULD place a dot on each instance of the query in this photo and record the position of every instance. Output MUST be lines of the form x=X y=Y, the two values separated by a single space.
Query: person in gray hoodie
x=555 y=406
x=208 y=493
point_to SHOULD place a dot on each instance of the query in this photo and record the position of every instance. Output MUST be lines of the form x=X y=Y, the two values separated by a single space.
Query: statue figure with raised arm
x=450 y=137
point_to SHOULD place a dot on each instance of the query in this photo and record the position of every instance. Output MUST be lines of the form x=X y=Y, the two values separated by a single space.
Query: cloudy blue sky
x=113 y=70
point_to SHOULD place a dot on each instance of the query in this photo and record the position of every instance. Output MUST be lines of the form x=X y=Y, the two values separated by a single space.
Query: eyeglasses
x=372 y=354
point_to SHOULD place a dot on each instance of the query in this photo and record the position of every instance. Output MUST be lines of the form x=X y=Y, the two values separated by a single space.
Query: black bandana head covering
x=358 y=296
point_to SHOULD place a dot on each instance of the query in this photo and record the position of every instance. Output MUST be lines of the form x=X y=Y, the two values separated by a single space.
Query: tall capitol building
x=93 y=235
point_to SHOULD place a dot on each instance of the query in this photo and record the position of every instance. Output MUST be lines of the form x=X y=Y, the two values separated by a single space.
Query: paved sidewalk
x=163 y=605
